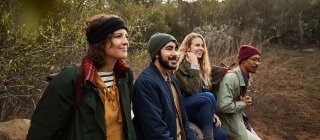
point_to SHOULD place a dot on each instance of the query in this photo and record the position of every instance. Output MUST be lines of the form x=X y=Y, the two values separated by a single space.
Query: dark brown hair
x=97 y=51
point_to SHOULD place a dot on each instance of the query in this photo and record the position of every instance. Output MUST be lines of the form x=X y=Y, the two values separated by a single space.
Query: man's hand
x=247 y=100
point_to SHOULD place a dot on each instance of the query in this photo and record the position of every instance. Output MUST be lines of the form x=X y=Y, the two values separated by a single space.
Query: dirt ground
x=286 y=96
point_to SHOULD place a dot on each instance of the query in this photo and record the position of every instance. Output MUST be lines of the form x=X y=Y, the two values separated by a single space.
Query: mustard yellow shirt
x=113 y=116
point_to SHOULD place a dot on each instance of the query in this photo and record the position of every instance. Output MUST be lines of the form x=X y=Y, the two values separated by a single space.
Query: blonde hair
x=205 y=66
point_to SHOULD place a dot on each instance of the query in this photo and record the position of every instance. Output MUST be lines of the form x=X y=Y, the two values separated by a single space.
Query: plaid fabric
x=120 y=67
x=90 y=71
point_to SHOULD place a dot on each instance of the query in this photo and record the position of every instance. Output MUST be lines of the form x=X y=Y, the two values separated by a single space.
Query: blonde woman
x=193 y=72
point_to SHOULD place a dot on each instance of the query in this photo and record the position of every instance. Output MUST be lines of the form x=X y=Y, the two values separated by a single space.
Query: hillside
x=286 y=96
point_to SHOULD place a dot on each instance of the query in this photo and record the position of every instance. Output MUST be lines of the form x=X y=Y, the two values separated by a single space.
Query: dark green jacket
x=54 y=118
x=190 y=80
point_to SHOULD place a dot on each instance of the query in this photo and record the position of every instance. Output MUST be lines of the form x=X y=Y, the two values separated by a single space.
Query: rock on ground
x=15 y=129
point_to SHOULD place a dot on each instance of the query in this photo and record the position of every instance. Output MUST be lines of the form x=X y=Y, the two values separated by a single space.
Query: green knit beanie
x=158 y=41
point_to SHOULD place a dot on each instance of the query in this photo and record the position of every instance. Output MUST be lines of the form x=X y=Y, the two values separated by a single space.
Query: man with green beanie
x=157 y=106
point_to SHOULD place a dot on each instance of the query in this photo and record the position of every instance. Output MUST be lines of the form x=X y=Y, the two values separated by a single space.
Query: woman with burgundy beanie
x=103 y=112
x=232 y=98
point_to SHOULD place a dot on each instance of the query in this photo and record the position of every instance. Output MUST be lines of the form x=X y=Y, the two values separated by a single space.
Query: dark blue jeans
x=200 y=109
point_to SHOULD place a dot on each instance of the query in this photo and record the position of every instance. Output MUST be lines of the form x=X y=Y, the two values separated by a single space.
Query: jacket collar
x=120 y=67
x=240 y=76
x=154 y=68
x=90 y=71
x=159 y=75
x=184 y=65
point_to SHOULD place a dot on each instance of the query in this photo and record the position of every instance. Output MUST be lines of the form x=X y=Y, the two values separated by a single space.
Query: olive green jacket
x=54 y=118
x=229 y=106
x=190 y=80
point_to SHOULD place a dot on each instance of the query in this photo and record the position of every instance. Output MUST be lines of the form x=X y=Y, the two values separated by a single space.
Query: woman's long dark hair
x=97 y=51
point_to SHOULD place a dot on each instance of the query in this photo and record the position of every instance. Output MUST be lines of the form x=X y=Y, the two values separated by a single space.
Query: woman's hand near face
x=192 y=58
x=217 y=121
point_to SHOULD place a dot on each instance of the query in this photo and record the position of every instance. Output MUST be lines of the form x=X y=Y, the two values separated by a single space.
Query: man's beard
x=166 y=64
x=253 y=70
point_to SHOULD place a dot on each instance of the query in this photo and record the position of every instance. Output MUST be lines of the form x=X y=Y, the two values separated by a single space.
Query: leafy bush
x=30 y=57
x=219 y=42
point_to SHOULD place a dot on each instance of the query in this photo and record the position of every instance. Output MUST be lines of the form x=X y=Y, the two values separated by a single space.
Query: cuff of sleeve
x=241 y=105
x=194 y=72
x=195 y=66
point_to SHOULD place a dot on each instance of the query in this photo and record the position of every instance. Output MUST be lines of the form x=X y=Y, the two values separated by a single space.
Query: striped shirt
x=107 y=78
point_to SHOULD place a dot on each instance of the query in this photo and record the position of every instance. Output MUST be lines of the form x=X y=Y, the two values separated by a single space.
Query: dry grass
x=138 y=61
x=285 y=93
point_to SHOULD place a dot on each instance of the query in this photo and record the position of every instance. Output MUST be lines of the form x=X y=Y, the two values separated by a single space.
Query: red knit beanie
x=245 y=51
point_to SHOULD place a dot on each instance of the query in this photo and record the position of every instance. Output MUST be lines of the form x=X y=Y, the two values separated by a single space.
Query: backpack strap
x=79 y=89
x=79 y=86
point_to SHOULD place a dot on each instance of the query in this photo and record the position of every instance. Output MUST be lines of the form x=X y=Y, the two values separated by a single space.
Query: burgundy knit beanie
x=246 y=51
